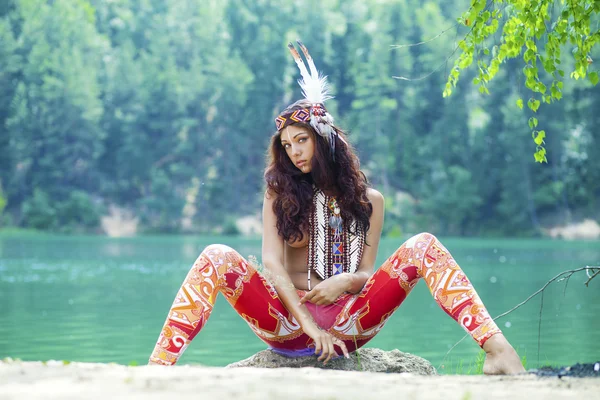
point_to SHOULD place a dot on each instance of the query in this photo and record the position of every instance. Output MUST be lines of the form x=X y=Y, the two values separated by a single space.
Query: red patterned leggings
x=355 y=319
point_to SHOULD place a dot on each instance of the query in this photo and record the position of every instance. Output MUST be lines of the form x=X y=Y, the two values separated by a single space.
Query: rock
x=249 y=225
x=587 y=229
x=577 y=370
x=371 y=359
x=120 y=222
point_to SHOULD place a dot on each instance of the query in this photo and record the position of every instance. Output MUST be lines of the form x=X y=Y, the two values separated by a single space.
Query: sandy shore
x=34 y=380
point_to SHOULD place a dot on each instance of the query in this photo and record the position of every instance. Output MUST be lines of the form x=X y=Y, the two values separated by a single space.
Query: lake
x=98 y=299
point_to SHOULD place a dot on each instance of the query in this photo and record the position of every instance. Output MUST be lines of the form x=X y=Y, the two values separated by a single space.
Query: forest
x=162 y=111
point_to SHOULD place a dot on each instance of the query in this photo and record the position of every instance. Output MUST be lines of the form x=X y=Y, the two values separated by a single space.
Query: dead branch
x=591 y=273
x=591 y=270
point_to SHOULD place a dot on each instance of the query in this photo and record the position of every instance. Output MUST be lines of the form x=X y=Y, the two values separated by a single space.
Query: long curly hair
x=294 y=189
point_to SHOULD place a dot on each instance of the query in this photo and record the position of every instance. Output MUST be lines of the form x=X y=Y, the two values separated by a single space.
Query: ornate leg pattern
x=221 y=269
x=422 y=256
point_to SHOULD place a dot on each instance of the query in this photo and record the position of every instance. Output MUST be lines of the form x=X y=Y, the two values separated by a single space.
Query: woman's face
x=299 y=144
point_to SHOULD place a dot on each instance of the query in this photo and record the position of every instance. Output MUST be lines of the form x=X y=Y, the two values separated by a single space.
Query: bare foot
x=500 y=357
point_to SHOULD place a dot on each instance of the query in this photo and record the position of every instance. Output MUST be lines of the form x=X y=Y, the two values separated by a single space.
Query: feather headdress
x=315 y=89
x=314 y=85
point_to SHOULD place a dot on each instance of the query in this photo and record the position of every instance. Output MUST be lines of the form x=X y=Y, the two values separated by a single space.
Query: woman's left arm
x=329 y=290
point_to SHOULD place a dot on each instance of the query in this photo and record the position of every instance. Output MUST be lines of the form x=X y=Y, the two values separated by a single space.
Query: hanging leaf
x=520 y=103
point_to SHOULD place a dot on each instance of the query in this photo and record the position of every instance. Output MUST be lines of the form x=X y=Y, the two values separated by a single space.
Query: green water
x=104 y=300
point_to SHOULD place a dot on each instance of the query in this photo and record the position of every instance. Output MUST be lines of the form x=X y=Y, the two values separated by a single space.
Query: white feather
x=314 y=85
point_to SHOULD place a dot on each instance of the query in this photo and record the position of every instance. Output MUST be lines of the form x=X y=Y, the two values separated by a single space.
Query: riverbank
x=53 y=380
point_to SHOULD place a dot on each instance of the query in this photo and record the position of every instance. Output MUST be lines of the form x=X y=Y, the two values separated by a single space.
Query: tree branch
x=593 y=276
x=488 y=4
x=594 y=270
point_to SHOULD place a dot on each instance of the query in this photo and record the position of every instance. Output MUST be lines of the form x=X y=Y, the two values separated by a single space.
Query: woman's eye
x=302 y=140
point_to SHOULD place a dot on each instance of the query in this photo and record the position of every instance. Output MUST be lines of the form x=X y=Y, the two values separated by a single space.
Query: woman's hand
x=324 y=343
x=327 y=291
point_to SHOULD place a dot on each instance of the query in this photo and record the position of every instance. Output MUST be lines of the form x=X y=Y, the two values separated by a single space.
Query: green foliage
x=38 y=211
x=452 y=188
x=479 y=361
x=146 y=106
x=471 y=366
x=53 y=122
x=538 y=30
x=73 y=213
x=78 y=211
x=3 y=201
x=229 y=227
x=465 y=367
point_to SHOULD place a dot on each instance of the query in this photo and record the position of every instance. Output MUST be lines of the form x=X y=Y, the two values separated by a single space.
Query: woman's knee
x=221 y=257
x=211 y=256
x=426 y=235
x=217 y=248
x=420 y=237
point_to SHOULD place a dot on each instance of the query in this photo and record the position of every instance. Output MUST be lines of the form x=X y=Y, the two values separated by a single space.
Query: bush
x=78 y=211
x=38 y=212
x=3 y=202
x=229 y=227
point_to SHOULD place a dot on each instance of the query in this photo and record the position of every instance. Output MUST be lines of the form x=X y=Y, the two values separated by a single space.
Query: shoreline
x=54 y=380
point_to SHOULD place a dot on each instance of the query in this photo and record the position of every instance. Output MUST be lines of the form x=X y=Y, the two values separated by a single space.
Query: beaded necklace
x=332 y=249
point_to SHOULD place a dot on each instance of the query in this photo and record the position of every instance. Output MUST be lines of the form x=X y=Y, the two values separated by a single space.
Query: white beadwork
x=321 y=238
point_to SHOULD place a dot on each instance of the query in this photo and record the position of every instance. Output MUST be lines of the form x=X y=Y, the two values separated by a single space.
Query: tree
x=165 y=108
x=54 y=135
x=540 y=27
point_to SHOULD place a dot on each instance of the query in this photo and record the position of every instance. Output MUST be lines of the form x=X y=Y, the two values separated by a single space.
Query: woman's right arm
x=272 y=259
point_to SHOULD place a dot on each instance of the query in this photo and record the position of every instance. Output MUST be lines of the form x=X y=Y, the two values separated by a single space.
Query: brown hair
x=294 y=189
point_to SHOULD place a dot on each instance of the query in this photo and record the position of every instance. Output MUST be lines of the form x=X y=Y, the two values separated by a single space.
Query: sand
x=34 y=380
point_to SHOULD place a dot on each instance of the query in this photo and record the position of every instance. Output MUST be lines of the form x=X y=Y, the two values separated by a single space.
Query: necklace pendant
x=335 y=222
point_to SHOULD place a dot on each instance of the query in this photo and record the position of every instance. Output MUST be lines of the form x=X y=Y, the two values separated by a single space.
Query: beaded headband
x=315 y=89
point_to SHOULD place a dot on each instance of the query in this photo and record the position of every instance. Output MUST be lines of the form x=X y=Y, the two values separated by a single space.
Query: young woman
x=321 y=229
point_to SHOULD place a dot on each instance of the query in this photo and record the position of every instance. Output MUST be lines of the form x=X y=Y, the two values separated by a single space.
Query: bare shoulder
x=268 y=202
x=269 y=196
x=375 y=197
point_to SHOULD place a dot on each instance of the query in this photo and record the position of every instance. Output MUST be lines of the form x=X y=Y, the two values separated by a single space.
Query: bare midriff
x=294 y=259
